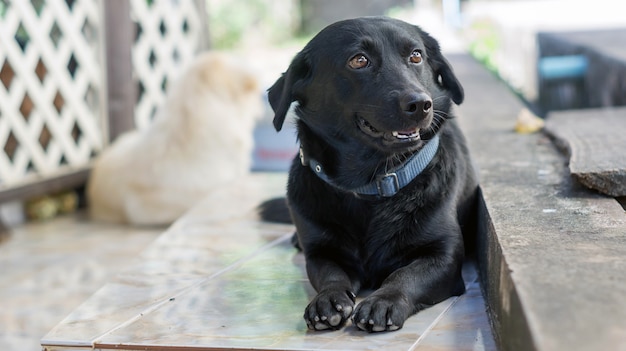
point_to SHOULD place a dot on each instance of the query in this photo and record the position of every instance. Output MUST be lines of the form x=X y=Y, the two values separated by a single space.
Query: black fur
x=410 y=246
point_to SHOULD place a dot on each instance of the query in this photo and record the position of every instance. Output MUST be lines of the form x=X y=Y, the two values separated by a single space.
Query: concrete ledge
x=552 y=252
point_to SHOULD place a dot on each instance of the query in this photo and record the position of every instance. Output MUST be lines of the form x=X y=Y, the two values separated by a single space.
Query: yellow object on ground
x=527 y=122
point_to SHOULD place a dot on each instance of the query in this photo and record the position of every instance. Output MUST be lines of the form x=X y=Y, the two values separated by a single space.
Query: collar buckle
x=388 y=184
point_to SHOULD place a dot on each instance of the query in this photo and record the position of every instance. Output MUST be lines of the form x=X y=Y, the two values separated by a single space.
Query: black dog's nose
x=416 y=105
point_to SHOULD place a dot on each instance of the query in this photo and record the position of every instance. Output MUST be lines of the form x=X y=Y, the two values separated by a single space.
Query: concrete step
x=552 y=252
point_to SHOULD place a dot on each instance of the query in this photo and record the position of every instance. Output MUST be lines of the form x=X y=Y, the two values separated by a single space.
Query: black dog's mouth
x=393 y=137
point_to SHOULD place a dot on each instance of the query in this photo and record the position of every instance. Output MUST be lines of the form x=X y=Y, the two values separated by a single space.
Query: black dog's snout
x=416 y=105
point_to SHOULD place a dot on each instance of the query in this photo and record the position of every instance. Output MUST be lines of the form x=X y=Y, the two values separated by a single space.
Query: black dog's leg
x=328 y=268
x=295 y=242
x=334 y=303
x=424 y=282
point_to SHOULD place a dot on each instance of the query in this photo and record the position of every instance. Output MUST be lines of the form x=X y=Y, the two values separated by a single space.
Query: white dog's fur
x=200 y=140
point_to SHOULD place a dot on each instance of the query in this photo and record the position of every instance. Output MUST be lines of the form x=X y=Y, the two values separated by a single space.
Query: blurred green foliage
x=230 y=20
x=485 y=45
x=234 y=22
x=3 y=8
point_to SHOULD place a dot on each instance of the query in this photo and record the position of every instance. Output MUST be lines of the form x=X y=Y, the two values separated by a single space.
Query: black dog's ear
x=286 y=89
x=442 y=68
x=450 y=82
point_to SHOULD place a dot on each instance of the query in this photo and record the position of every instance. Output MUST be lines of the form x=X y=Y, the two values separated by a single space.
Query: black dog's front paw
x=330 y=309
x=382 y=312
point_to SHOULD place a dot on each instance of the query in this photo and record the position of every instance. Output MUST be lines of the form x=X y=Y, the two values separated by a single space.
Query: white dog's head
x=217 y=97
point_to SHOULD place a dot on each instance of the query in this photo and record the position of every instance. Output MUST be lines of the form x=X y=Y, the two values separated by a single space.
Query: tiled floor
x=48 y=269
x=220 y=279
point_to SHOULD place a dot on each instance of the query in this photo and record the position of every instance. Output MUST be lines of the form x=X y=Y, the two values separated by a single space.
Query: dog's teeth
x=400 y=136
x=405 y=135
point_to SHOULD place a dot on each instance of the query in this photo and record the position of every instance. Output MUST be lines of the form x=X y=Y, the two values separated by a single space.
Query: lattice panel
x=51 y=81
x=168 y=35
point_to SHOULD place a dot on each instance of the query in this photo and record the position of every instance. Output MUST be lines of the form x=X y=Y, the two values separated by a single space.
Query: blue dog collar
x=388 y=184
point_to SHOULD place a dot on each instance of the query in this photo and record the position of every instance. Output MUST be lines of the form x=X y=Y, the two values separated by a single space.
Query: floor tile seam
x=443 y=313
x=433 y=324
x=228 y=268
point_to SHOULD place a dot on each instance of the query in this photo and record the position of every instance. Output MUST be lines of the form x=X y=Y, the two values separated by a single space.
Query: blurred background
x=75 y=74
x=505 y=35
x=554 y=54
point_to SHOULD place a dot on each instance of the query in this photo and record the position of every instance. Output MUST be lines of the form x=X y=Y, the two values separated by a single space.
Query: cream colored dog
x=200 y=140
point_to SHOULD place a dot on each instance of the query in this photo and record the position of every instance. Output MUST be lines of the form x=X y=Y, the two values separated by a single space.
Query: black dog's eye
x=359 y=61
x=416 y=57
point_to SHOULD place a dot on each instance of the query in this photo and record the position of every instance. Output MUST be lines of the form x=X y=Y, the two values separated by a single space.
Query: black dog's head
x=377 y=79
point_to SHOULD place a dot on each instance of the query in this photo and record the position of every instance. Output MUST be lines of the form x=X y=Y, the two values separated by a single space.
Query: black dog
x=383 y=184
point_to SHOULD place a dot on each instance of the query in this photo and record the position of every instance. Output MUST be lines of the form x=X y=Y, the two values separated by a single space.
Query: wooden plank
x=596 y=143
x=204 y=42
x=122 y=92
x=40 y=185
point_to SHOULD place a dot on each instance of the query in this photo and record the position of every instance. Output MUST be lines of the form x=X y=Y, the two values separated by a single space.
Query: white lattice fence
x=169 y=34
x=50 y=103
x=52 y=78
